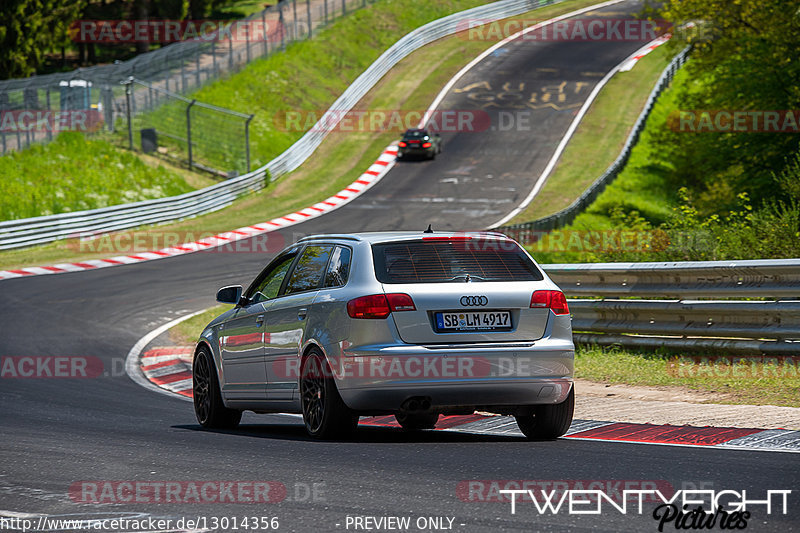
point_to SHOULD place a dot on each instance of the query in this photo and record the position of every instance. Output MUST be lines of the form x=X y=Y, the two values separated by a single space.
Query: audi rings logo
x=468 y=301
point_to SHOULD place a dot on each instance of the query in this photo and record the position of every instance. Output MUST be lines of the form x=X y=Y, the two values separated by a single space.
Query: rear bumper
x=415 y=151
x=382 y=378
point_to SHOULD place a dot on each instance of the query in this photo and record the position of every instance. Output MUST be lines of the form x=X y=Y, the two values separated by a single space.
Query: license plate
x=473 y=321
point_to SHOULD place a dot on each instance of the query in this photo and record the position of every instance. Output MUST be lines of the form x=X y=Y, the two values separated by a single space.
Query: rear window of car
x=442 y=261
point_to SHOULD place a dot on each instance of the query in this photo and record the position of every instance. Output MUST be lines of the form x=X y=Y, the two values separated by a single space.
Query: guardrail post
x=247 y=140
x=189 y=130
x=128 y=83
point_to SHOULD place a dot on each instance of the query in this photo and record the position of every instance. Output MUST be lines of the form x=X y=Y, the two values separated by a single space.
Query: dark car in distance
x=419 y=142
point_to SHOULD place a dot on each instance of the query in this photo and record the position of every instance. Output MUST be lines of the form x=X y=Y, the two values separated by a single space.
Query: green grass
x=74 y=173
x=341 y=158
x=600 y=137
x=188 y=331
x=751 y=382
x=311 y=74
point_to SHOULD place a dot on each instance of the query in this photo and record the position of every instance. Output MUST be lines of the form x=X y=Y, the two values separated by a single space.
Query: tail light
x=399 y=301
x=401 y=144
x=379 y=305
x=426 y=145
x=553 y=300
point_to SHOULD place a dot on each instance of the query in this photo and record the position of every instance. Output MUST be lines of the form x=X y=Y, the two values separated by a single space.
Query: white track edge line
x=540 y=181
x=449 y=85
x=132 y=360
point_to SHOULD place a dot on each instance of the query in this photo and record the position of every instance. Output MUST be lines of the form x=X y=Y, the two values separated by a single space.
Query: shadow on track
x=364 y=434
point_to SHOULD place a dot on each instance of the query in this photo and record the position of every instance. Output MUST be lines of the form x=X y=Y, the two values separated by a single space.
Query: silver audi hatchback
x=411 y=324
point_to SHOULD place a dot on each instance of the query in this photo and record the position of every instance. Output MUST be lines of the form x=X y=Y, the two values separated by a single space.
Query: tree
x=744 y=59
x=29 y=28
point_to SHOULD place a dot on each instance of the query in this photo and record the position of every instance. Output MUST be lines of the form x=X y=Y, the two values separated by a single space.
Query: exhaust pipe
x=416 y=404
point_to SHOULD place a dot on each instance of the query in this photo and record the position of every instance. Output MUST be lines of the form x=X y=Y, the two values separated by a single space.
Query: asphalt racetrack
x=58 y=433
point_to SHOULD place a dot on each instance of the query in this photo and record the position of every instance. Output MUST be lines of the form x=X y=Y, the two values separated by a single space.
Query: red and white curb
x=170 y=368
x=628 y=65
x=370 y=177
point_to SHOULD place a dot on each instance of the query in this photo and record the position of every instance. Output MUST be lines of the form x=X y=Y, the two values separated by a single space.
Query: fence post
x=183 y=77
x=214 y=56
x=189 y=131
x=247 y=140
x=264 y=32
x=294 y=14
x=197 y=65
x=230 y=49
x=128 y=83
x=344 y=7
x=108 y=106
x=308 y=16
x=325 y=3
x=281 y=26
x=49 y=130
x=247 y=41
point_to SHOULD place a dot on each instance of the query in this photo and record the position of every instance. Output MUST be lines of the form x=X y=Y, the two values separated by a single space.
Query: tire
x=433 y=155
x=548 y=422
x=416 y=422
x=208 y=407
x=324 y=412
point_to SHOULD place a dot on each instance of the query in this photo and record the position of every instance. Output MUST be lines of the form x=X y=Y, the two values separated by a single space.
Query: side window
x=310 y=267
x=338 y=268
x=269 y=286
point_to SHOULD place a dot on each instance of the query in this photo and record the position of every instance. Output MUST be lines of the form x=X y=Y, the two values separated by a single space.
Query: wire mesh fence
x=207 y=137
x=93 y=99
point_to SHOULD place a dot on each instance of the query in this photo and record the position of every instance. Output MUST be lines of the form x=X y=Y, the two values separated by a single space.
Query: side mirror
x=230 y=294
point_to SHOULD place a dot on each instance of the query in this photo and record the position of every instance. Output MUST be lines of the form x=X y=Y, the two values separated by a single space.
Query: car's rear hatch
x=464 y=290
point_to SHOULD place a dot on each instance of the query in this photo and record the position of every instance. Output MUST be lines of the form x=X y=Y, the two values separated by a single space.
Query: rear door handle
x=301 y=314
x=260 y=319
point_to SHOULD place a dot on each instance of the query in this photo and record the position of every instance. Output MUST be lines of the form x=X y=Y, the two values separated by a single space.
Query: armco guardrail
x=568 y=214
x=694 y=321
x=38 y=230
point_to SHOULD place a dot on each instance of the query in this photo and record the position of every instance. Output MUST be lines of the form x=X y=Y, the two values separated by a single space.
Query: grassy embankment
x=411 y=85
